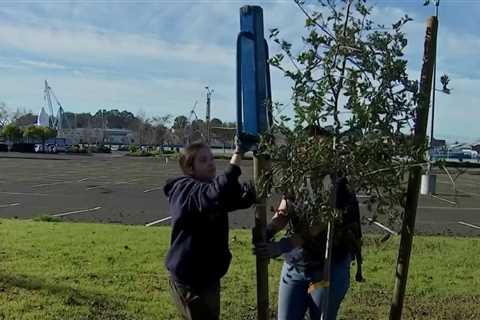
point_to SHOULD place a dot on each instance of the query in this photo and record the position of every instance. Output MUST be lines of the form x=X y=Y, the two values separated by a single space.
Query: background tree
x=196 y=130
x=351 y=76
x=83 y=120
x=40 y=133
x=180 y=124
x=160 y=129
x=24 y=119
x=215 y=122
x=12 y=132
x=32 y=133
x=4 y=115
x=69 y=120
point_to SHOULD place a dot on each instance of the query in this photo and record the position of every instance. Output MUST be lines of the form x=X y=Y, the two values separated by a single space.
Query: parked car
x=49 y=148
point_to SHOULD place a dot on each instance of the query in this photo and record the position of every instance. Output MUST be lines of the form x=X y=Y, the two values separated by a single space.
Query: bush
x=77 y=149
x=141 y=153
x=133 y=148
x=100 y=149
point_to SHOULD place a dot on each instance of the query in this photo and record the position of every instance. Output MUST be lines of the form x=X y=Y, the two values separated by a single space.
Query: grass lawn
x=53 y=270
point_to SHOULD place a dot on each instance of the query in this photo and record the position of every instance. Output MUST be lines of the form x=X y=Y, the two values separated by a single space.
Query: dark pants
x=192 y=304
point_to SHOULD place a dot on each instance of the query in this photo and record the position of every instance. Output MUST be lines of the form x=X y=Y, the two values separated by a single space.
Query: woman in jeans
x=301 y=285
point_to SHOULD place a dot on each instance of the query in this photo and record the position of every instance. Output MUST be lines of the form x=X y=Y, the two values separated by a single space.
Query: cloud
x=457 y=114
x=158 y=56
x=88 y=93
x=42 y=64
x=83 y=46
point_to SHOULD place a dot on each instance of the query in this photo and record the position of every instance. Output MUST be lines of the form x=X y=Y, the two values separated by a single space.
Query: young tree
x=350 y=76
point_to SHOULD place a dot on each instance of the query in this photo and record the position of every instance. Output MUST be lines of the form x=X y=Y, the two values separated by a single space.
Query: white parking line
x=113 y=183
x=469 y=225
x=25 y=194
x=381 y=226
x=450 y=208
x=50 y=184
x=157 y=222
x=84 y=179
x=73 y=212
x=101 y=186
x=128 y=181
x=443 y=199
x=152 y=189
x=9 y=205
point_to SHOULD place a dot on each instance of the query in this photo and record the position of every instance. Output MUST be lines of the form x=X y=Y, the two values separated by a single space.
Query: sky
x=156 y=57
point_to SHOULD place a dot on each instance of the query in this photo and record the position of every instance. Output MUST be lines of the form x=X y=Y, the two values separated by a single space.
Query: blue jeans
x=293 y=296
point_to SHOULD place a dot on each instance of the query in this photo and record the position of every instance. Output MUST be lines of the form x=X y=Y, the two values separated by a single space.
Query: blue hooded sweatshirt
x=199 y=252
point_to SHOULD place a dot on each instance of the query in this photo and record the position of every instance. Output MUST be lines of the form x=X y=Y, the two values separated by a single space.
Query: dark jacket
x=199 y=253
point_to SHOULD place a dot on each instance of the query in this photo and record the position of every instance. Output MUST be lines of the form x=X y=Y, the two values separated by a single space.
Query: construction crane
x=207 y=116
x=193 y=117
x=58 y=121
x=193 y=113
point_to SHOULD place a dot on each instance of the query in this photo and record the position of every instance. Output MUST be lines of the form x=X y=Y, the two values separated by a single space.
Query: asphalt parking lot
x=115 y=188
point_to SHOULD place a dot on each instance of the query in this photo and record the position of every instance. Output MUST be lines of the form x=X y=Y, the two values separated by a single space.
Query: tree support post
x=260 y=166
x=408 y=224
x=253 y=119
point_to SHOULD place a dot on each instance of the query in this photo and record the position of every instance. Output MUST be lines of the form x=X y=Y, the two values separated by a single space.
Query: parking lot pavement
x=118 y=189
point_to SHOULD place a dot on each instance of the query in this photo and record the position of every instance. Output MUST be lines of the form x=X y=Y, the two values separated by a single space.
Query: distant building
x=99 y=136
x=439 y=144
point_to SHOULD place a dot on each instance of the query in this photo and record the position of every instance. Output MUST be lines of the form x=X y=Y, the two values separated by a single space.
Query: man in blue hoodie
x=199 y=254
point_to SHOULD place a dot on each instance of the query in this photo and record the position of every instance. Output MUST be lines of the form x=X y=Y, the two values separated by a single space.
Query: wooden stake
x=408 y=225
x=260 y=166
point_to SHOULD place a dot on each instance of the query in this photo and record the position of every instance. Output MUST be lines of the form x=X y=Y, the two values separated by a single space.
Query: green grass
x=51 y=270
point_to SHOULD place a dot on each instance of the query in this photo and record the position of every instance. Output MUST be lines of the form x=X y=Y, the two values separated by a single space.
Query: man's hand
x=273 y=249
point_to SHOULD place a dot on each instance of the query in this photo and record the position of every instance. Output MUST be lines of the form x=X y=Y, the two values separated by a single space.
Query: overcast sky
x=156 y=57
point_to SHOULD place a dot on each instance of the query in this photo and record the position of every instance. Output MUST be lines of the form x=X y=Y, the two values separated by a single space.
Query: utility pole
x=421 y=121
x=207 y=117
